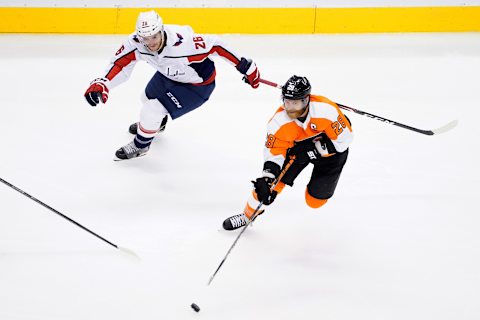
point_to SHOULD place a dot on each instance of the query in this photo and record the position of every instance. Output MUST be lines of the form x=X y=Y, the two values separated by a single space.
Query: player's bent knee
x=313 y=202
x=153 y=104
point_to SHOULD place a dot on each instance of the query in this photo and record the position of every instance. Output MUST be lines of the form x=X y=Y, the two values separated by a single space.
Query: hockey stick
x=124 y=250
x=442 y=129
x=254 y=215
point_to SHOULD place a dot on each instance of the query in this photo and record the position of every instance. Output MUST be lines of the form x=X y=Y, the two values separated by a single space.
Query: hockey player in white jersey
x=184 y=80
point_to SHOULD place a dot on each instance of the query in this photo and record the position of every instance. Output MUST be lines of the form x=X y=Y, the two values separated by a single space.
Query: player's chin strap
x=254 y=215
x=442 y=129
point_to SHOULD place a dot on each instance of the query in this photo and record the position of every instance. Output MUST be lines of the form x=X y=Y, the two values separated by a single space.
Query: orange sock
x=313 y=202
x=253 y=202
x=248 y=211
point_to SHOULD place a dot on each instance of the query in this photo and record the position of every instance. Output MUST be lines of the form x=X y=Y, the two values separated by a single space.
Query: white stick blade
x=449 y=126
x=129 y=253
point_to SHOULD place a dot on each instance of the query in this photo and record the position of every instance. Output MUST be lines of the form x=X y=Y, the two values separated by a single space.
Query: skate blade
x=118 y=159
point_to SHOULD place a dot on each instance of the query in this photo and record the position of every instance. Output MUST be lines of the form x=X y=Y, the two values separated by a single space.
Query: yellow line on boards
x=245 y=20
x=408 y=19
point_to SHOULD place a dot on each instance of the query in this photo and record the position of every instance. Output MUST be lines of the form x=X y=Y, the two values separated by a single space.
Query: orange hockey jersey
x=323 y=116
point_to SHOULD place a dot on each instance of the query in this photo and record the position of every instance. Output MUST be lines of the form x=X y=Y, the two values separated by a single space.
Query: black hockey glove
x=262 y=189
x=304 y=151
x=312 y=149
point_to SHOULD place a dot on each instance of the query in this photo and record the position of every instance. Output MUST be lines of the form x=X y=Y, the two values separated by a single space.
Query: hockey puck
x=195 y=307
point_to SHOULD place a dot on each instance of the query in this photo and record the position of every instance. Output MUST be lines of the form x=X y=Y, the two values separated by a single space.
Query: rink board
x=121 y=20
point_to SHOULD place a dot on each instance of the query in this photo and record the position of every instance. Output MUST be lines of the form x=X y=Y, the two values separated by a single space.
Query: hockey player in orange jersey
x=310 y=129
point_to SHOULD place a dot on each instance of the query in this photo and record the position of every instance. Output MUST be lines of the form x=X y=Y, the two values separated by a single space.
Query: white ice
x=400 y=239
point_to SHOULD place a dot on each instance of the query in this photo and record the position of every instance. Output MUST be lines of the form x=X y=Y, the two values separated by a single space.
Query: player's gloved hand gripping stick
x=254 y=215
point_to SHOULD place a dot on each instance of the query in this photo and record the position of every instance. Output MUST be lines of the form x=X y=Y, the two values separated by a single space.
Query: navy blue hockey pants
x=178 y=98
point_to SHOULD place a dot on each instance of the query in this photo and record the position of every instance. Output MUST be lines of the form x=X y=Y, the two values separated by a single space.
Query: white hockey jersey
x=185 y=57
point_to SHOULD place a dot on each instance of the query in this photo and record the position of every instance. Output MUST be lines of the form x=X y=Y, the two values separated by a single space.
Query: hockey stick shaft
x=63 y=216
x=442 y=129
x=254 y=215
x=387 y=121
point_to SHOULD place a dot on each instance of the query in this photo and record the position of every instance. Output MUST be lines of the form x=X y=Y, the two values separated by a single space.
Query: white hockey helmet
x=148 y=24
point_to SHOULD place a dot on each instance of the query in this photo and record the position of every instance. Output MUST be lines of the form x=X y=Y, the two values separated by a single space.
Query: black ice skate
x=130 y=151
x=238 y=221
x=235 y=222
x=133 y=127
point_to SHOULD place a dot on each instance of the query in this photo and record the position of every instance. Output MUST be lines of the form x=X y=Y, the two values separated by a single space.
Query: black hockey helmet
x=296 y=88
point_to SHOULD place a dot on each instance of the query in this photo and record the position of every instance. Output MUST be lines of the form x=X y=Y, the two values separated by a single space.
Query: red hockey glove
x=249 y=69
x=98 y=90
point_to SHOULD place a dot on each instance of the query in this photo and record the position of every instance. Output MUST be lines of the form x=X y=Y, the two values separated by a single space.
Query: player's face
x=154 y=42
x=295 y=108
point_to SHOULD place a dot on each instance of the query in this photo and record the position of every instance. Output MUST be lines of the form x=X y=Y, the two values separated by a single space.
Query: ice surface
x=399 y=240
